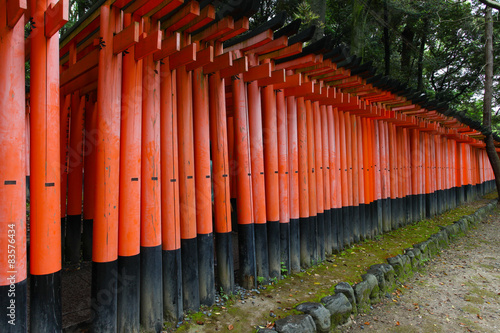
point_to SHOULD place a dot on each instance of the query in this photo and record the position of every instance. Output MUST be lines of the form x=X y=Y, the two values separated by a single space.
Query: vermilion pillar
x=334 y=183
x=293 y=171
x=13 y=262
x=64 y=117
x=75 y=181
x=105 y=243
x=243 y=185
x=203 y=188
x=45 y=234
x=304 y=220
x=91 y=141
x=270 y=131
x=320 y=197
x=311 y=163
x=189 y=246
x=341 y=191
x=129 y=227
x=326 y=179
x=258 y=179
x=170 y=212
x=346 y=215
x=220 y=174
x=353 y=220
x=283 y=160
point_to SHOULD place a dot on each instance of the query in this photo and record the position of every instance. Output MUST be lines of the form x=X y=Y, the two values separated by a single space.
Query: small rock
x=339 y=306
x=319 y=313
x=296 y=324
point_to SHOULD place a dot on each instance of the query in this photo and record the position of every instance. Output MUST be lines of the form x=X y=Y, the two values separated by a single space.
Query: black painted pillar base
x=328 y=232
x=246 y=246
x=394 y=213
x=273 y=246
x=335 y=230
x=320 y=237
x=63 y=236
x=355 y=236
x=378 y=217
x=386 y=215
x=128 y=293
x=261 y=252
x=305 y=235
x=45 y=303
x=87 y=235
x=172 y=285
x=206 y=268
x=347 y=221
x=190 y=277
x=339 y=217
x=151 y=289
x=73 y=239
x=234 y=215
x=103 y=309
x=363 y=214
x=313 y=239
x=225 y=263
x=14 y=307
x=284 y=248
x=294 y=245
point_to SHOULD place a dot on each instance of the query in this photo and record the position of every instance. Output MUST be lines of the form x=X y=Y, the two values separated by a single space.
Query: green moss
x=471 y=309
x=484 y=292
x=474 y=299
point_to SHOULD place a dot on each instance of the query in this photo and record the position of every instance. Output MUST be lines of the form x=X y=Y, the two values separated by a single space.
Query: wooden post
x=91 y=141
x=325 y=130
x=203 y=188
x=293 y=171
x=258 y=180
x=313 y=201
x=13 y=261
x=346 y=215
x=220 y=174
x=341 y=191
x=65 y=118
x=129 y=228
x=243 y=176
x=105 y=227
x=270 y=131
x=305 y=218
x=75 y=181
x=170 y=212
x=283 y=160
x=45 y=233
x=318 y=157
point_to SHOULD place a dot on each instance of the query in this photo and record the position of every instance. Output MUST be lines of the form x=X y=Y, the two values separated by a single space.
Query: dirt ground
x=459 y=291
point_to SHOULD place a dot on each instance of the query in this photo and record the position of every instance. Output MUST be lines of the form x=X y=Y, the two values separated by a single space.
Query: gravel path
x=459 y=291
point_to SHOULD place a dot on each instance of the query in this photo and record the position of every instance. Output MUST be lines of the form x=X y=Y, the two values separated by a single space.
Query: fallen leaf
x=199 y=322
x=397 y=323
x=230 y=327
x=479 y=316
x=367 y=323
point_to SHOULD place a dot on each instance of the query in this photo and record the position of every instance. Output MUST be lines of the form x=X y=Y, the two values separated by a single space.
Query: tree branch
x=491 y=3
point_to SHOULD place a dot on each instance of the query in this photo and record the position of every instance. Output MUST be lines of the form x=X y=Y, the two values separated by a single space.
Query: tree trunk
x=488 y=94
x=420 y=69
x=357 y=27
x=318 y=7
x=407 y=41
x=387 y=42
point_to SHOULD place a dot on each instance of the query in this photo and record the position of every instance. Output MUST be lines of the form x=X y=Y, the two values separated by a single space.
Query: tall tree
x=488 y=92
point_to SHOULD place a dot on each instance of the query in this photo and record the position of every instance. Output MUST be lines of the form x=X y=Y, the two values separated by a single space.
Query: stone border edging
x=336 y=309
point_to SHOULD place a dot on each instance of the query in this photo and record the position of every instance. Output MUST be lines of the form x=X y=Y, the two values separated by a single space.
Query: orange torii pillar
x=459 y=173
x=246 y=231
x=439 y=181
x=414 y=165
x=270 y=131
x=284 y=194
x=232 y=168
x=45 y=235
x=189 y=244
x=320 y=200
x=385 y=180
x=203 y=188
x=293 y=171
x=313 y=202
x=129 y=207
x=329 y=247
x=376 y=152
x=13 y=261
x=334 y=183
x=105 y=227
x=220 y=174
x=358 y=168
x=352 y=181
x=75 y=181
x=346 y=214
x=64 y=117
x=305 y=218
x=396 y=206
x=363 y=135
x=91 y=139
x=341 y=190
x=170 y=212
x=258 y=179
x=151 y=302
